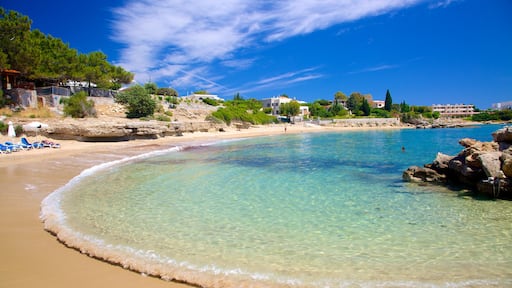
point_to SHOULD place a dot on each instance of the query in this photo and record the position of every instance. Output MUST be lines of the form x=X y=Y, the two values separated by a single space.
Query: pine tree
x=388 y=103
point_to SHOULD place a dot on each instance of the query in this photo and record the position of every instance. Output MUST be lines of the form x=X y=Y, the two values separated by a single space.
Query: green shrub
x=3 y=127
x=137 y=101
x=77 y=106
x=211 y=102
x=18 y=129
x=161 y=117
x=168 y=113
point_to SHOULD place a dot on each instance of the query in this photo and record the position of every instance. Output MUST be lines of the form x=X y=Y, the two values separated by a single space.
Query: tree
x=167 y=92
x=365 y=107
x=138 y=102
x=388 y=103
x=404 y=108
x=151 y=87
x=290 y=109
x=237 y=97
x=354 y=102
x=77 y=106
x=340 y=95
x=119 y=76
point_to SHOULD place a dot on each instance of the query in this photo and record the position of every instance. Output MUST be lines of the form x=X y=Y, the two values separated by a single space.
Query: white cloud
x=375 y=69
x=160 y=35
x=441 y=4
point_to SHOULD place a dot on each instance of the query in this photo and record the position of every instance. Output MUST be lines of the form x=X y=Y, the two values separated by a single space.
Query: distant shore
x=33 y=257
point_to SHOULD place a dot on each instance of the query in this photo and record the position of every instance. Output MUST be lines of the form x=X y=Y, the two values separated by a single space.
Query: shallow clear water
x=319 y=210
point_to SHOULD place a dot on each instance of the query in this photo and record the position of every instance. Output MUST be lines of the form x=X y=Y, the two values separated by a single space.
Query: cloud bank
x=183 y=43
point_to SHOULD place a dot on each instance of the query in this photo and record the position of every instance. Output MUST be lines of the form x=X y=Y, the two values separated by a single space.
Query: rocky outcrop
x=114 y=130
x=485 y=167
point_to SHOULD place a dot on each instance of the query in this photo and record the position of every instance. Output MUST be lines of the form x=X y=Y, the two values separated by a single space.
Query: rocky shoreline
x=484 y=167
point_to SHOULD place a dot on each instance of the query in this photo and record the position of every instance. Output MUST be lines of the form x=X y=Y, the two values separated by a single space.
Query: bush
x=18 y=129
x=162 y=117
x=77 y=106
x=211 y=102
x=3 y=127
x=137 y=101
x=167 y=92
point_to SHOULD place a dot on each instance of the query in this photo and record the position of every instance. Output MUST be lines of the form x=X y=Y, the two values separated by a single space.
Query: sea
x=291 y=210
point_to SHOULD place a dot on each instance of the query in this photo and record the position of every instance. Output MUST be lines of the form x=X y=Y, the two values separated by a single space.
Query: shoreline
x=33 y=256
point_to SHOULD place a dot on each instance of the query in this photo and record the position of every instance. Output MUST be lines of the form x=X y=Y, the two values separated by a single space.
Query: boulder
x=485 y=167
x=491 y=164
x=503 y=135
x=422 y=174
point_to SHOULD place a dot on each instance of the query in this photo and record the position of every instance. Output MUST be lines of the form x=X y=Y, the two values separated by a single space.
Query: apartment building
x=454 y=110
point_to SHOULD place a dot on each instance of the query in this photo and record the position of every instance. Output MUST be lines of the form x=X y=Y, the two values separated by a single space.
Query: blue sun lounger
x=4 y=149
x=25 y=142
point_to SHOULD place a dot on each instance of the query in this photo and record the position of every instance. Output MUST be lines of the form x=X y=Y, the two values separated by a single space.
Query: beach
x=31 y=256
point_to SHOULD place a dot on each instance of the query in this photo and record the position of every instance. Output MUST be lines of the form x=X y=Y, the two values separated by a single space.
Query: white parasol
x=10 y=131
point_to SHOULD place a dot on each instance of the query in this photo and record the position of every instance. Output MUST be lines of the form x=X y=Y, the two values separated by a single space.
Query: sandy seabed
x=32 y=257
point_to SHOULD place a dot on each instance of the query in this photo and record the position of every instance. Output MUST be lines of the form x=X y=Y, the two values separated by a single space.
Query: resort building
x=275 y=104
x=454 y=110
x=502 y=105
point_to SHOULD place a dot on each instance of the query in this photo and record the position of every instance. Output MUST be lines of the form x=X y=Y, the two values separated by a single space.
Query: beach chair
x=4 y=149
x=47 y=143
x=12 y=146
x=36 y=145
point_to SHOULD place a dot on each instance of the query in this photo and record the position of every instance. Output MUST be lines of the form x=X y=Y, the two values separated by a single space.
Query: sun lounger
x=12 y=146
x=47 y=143
x=4 y=149
x=25 y=142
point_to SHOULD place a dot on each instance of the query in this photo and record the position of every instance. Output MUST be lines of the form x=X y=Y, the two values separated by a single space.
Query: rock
x=422 y=174
x=485 y=167
x=491 y=164
x=467 y=142
x=506 y=164
x=503 y=135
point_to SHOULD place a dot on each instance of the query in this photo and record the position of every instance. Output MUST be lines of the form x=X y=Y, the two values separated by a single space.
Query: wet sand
x=32 y=257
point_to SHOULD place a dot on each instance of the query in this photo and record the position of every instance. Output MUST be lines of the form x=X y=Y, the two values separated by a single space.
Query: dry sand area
x=32 y=257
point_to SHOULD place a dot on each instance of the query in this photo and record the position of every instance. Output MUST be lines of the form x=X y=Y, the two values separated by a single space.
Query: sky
x=424 y=51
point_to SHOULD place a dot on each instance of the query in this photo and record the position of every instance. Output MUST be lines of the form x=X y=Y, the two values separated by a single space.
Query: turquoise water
x=305 y=210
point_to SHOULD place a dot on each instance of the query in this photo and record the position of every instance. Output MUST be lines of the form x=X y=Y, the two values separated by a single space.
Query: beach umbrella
x=10 y=131
x=35 y=125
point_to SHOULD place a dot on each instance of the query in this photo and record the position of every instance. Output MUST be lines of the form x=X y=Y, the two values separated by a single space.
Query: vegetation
x=77 y=106
x=290 y=109
x=249 y=111
x=138 y=102
x=167 y=92
x=47 y=60
x=505 y=115
x=211 y=102
x=388 y=103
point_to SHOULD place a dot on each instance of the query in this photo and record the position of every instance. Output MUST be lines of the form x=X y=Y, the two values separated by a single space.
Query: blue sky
x=424 y=51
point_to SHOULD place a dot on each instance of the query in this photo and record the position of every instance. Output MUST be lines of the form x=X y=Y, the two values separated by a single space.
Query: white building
x=275 y=104
x=454 y=110
x=378 y=104
x=502 y=105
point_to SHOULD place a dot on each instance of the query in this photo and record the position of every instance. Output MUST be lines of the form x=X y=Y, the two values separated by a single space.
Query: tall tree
x=14 y=32
x=290 y=109
x=388 y=103
x=354 y=102
x=365 y=107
